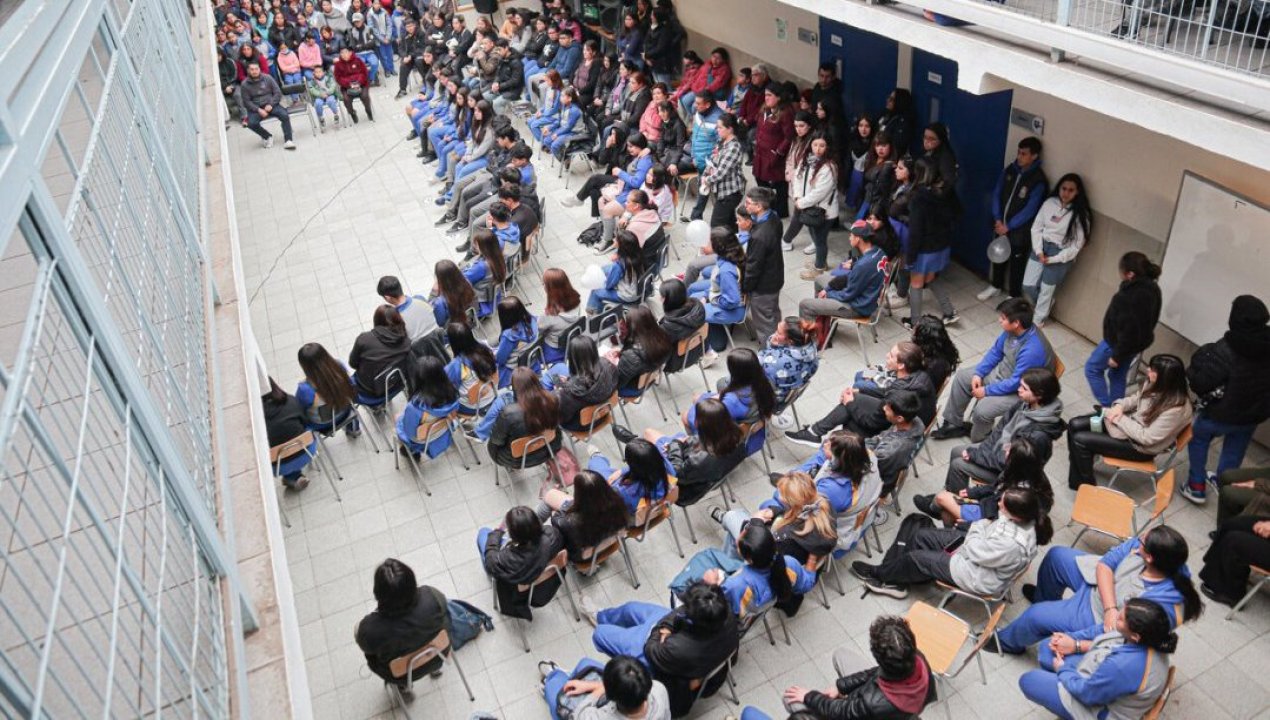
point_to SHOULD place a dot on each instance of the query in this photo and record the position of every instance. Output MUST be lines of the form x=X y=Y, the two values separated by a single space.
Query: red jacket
x=350 y=71
x=708 y=77
x=752 y=104
x=773 y=135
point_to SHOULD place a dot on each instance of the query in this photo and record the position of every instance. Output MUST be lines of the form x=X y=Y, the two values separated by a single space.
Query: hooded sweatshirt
x=1042 y=425
x=1229 y=375
x=993 y=553
x=374 y=352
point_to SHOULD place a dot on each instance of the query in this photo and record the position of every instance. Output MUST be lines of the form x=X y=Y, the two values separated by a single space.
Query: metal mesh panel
x=108 y=608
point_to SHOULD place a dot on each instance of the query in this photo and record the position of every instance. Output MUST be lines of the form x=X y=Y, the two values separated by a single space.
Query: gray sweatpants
x=986 y=411
x=695 y=265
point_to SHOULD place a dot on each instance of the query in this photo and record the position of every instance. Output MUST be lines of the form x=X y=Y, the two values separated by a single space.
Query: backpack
x=591 y=235
x=466 y=622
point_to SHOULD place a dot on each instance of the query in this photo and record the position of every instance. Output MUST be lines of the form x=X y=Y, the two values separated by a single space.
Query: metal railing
x=114 y=573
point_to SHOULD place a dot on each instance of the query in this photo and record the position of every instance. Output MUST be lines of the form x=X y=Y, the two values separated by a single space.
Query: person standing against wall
x=1018 y=196
x=1233 y=388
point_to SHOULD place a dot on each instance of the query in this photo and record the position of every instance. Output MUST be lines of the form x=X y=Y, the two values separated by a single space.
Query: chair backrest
x=1104 y=509
x=593 y=556
x=1163 y=493
x=650 y=514
x=1059 y=367
x=791 y=398
x=698 y=685
x=532 y=351
x=432 y=430
x=598 y=415
x=404 y=666
x=647 y=379
x=574 y=329
x=297 y=444
x=1183 y=439
x=477 y=394
x=1157 y=707
x=940 y=635
x=525 y=445
x=557 y=565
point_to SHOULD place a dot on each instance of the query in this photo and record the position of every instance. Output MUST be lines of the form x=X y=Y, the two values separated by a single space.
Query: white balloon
x=592 y=278
x=698 y=232
x=999 y=249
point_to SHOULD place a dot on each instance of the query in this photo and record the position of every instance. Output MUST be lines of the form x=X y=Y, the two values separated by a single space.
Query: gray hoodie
x=1042 y=425
x=993 y=553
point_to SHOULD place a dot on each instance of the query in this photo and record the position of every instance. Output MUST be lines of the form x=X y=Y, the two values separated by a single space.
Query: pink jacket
x=288 y=63
x=310 y=55
x=650 y=123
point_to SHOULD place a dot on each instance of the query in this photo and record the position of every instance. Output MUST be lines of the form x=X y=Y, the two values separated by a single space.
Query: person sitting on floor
x=900 y=685
x=406 y=617
x=1151 y=566
x=983 y=560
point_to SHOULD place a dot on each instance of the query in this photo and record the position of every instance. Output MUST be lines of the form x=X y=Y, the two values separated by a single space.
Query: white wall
x=748 y=29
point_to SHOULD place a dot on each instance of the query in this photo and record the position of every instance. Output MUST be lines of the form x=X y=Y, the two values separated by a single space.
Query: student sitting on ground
x=1151 y=566
x=983 y=560
x=900 y=685
x=585 y=381
x=406 y=617
x=473 y=363
x=433 y=400
x=1118 y=673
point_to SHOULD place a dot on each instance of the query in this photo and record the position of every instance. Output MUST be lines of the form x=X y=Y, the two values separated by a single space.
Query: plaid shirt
x=724 y=169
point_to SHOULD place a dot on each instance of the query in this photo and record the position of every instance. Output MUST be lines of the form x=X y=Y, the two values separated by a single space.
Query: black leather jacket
x=861 y=699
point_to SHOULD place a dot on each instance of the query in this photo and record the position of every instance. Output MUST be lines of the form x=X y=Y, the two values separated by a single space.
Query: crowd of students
x=1103 y=651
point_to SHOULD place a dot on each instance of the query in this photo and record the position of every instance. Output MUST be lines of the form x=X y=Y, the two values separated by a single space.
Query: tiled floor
x=320 y=225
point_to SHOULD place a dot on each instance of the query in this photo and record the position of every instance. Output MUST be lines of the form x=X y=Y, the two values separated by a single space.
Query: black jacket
x=586 y=90
x=764 y=262
x=1016 y=190
x=287 y=34
x=412 y=45
x=661 y=49
x=374 y=352
x=511 y=565
x=384 y=638
x=510 y=76
x=633 y=107
x=1230 y=378
x=698 y=471
x=831 y=95
x=681 y=325
x=228 y=71
x=918 y=383
x=1128 y=326
x=575 y=395
x=671 y=147
x=508 y=427
x=684 y=657
x=579 y=535
x=284 y=421
x=930 y=222
x=631 y=364
x=879 y=181
x=861 y=698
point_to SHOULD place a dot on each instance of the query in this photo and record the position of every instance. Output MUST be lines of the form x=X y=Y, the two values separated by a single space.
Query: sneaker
x=809 y=250
x=907 y=323
x=926 y=503
x=895 y=301
x=812 y=273
x=456 y=228
x=1029 y=592
x=948 y=431
x=301 y=483
x=883 y=588
x=446 y=218
x=440 y=201
x=716 y=514
x=952 y=318
x=606 y=248
x=545 y=668
x=709 y=358
x=462 y=247
x=623 y=433
x=987 y=293
x=805 y=437
x=267 y=142
x=589 y=610
x=1210 y=481
x=787 y=246
x=863 y=570
x=1195 y=496
x=570 y=201
x=412 y=136
x=322 y=123
x=429 y=158
x=288 y=145
x=992 y=646
x=592 y=450
x=400 y=94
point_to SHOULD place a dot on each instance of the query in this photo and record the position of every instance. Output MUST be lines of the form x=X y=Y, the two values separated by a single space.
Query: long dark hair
x=486 y=244
x=1082 y=213
x=647 y=467
x=327 y=376
x=487 y=118
x=746 y=371
x=629 y=255
x=849 y=454
x=643 y=330
x=932 y=337
x=429 y=383
x=757 y=547
x=674 y=295
x=561 y=297
x=726 y=246
x=1148 y=620
x=718 y=432
x=512 y=312
x=1025 y=467
x=464 y=344
x=600 y=508
x=396 y=590
x=584 y=360
x=453 y=285
x=1170 y=388
x=540 y=408
x=1168 y=551
x=1024 y=504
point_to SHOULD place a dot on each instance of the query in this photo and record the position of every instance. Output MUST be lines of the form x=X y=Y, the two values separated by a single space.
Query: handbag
x=814 y=216
x=355 y=90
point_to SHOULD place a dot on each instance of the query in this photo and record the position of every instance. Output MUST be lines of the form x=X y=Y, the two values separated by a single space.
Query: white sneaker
x=592 y=450
x=896 y=301
x=987 y=293
x=267 y=142
x=570 y=201
x=809 y=250
x=787 y=246
x=710 y=358
x=289 y=145
x=589 y=610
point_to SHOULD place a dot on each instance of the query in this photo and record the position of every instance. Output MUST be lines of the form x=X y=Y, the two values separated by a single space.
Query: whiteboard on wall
x=1218 y=248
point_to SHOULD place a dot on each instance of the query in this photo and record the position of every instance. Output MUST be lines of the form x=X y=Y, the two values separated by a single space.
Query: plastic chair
x=1149 y=467
x=989 y=602
x=404 y=667
x=871 y=322
x=941 y=636
x=684 y=350
x=1262 y=576
x=556 y=569
x=1112 y=513
x=523 y=447
x=647 y=382
x=299 y=445
x=595 y=417
x=426 y=434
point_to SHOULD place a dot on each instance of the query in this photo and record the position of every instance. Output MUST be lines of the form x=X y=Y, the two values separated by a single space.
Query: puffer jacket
x=1229 y=376
x=680 y=325
x=575 y=395
x=1128 y=326
x=1042 y=425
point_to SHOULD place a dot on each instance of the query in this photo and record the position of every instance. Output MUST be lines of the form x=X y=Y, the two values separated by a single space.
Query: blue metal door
x=867 y=64
x=977 y=125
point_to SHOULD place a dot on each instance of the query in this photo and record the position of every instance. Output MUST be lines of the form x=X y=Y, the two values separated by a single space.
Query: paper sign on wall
x=782 y=29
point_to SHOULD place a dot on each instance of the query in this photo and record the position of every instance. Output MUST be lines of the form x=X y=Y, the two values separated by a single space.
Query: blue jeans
x=482 y=536
x=464 y=169
x=444 y=152
x=372 y=64
x=623 y=630
x=595 y=301
x=752 y=713
x=686 y=102
x=436 y=134
x=1234 y=445
x=1051 y=613
x=385 y=57
x=553 y=685
x=327 y=103
x=1106 y=383
x=1041 y=687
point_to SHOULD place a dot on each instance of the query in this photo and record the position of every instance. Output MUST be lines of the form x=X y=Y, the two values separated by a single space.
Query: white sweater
x=1051 y=225
x=815 y=188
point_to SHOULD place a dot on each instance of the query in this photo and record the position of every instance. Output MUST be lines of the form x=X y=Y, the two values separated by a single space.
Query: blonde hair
x=797 y=492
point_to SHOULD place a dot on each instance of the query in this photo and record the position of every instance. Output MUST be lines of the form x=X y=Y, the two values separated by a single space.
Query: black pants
x=403 y=78
x=724 y=212
x=1227 y=560
x=1083 y=444
x=1008 y=276
x=781 y=202
x=365 y=98
x=591 y=189
x=960 y=471
x=918 y=555
x=864 y=416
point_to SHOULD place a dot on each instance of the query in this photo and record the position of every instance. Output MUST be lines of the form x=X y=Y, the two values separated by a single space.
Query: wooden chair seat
x=1059 y=367
x=1106 y=511
x=599 y=555
x=661 y=514
x=1146 y=466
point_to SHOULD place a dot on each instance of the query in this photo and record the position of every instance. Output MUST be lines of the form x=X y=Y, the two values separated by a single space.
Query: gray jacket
x=381 y=23
x=993 y=553
x=1126 y=707
x=894 y=448
x=260 y=92
x=336 y=20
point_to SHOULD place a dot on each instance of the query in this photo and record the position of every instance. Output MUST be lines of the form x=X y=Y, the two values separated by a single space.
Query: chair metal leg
x=1244 y=600
x=630 y=566
x=454 y=658
x=524 y=635
x=859 y=335
x=877 y=540
x=564 y=580
x=704 y=379
x=785 y=628
x=657 y=399
x=692 y=533
x=622 y=406
x=671 y=391
x=770 y=640
x=330 y=479
x=325 y=455
x=824 y=596
x=670 y=520
x=418 y=474
x=287 y=521
x=361 y=423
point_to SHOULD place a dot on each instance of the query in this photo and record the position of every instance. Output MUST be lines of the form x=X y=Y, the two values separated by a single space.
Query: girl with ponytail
x=1151 y=567
x=1118 y=674
x=1128 y=327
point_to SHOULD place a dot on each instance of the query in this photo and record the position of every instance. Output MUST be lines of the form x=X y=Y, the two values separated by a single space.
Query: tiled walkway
x=321 y=224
